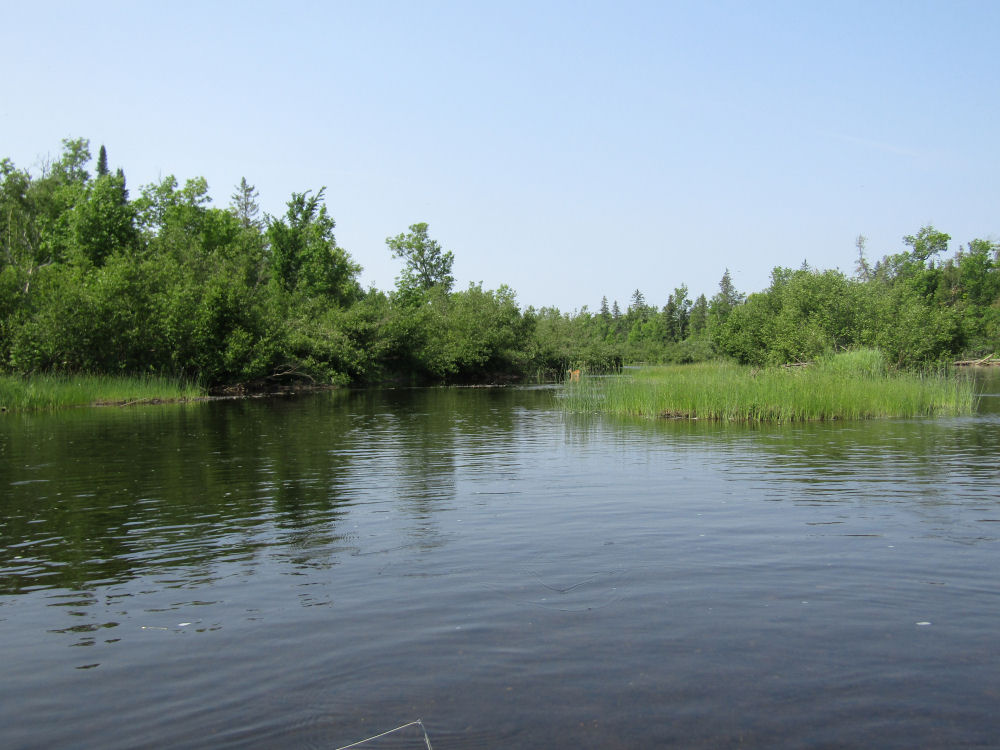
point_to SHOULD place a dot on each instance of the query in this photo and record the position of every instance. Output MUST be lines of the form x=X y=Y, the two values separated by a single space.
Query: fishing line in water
x=418 y=722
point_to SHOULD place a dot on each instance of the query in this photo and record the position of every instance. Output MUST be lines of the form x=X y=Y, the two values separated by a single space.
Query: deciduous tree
x=427 y=265
x=304 y=255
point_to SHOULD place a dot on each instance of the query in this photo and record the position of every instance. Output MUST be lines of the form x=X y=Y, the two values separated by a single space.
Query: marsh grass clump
x=850 y=385
x=862 y=363
x=40 y=392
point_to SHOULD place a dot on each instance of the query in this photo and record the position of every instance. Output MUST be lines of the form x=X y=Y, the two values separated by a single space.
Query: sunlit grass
x=57 y=391
x=851 y=385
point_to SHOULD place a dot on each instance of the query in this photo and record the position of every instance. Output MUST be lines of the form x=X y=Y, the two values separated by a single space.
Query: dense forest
x=94 y=280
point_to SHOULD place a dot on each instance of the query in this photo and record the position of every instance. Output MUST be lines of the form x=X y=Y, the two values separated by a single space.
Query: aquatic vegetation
x=851 y=385
x=55 y=391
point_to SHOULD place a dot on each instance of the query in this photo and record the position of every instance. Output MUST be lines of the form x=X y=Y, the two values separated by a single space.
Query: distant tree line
x=94 y=280
x=917 y=306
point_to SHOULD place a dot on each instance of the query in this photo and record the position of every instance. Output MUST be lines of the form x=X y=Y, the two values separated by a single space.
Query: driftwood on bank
x=990 y=360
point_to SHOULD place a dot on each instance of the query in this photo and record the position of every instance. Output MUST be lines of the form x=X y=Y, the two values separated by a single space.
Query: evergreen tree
x=605 y=312
x=102 y=162
x=727 y=297
x=670 y=319
x=244 y=205
x=638 y=305
x=121 y=180
x=698 y=320
x=722 y=304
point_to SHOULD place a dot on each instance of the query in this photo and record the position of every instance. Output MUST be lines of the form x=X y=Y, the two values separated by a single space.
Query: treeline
x=681 y=331
x=93 y=280
x=917 y=307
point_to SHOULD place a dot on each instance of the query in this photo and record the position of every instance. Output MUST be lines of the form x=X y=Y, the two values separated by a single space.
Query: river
x=310 y=571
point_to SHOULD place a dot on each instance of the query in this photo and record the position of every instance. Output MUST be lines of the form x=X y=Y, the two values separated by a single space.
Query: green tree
x=699 y=316
x=20 y=237
x=676 y=314
x=802 y=314
x=104 y=221
x=863 y=269
x=244 y=206
x=56 y=194
x=102 y=162
x=304 y=255
x=166 y=206
x=927 y=242
x=427 y=265
x=71 y=166
x=721 y=306
x=638 y=308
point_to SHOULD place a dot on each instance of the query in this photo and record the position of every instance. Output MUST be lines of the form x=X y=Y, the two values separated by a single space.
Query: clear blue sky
x=568 y=149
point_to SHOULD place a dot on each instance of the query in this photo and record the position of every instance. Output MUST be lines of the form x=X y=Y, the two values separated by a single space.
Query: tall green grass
x=56 y=391
x=850 y=385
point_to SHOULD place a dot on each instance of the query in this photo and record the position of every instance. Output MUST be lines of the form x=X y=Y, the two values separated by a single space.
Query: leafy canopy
x=427 y=265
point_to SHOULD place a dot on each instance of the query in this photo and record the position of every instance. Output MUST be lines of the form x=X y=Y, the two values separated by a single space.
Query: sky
x=570 y=150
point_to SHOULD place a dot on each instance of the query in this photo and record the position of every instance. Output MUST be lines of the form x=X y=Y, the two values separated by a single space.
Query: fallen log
x=989 y=360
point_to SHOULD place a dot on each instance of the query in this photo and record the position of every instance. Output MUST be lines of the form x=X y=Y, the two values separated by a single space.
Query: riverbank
x=850 y=385
x=41 y=392
x=46 y=392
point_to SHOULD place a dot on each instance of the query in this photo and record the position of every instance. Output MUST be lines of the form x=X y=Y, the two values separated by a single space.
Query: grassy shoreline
x=850 y=385
x=41 y=392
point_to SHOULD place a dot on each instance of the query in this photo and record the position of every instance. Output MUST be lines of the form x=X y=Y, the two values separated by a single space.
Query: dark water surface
x=310 y=571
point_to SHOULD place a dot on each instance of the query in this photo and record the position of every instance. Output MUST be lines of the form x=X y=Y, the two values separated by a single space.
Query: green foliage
x=724 y=302
x=927 y=242
x=487 y=334
x=71 y=166
x=698 y=318
x=563 y=342
x=92 y=281
x=244 y=206
x=304 y=255
x=911 y=329
x=102 y=162
x=677 y=314
x=475 y=334
x=103 y=221
x=427 y=265
x=805 y=313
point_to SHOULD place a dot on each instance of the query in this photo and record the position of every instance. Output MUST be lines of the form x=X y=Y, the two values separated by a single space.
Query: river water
x=311 y=571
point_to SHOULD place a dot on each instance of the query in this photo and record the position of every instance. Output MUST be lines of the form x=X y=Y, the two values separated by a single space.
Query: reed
x=850 y=385
x=39 y=392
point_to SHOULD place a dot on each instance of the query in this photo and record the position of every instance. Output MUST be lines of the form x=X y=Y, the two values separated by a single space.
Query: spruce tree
x=121 y=182
x=637 y=310
x=102 y=162
x=245 y=206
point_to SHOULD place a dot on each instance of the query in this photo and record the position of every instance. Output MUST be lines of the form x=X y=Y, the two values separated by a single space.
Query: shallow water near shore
x=312 y=570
